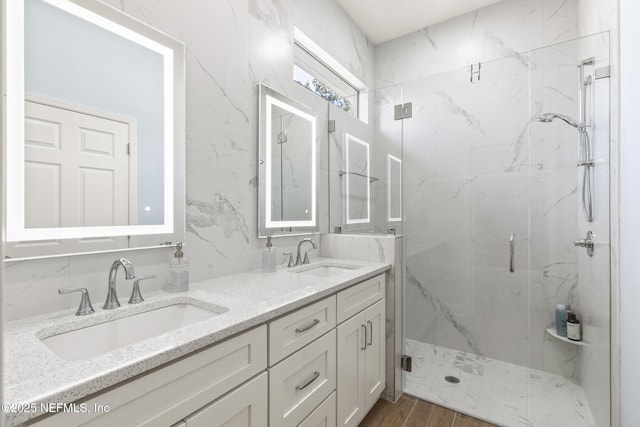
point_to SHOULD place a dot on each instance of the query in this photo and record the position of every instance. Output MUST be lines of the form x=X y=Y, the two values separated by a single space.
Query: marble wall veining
x=230 y=48
x=599 y=363
x=477 y=166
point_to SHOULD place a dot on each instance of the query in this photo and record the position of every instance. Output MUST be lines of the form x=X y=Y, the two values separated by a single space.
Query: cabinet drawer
x=170 y=393
x=324 y=415
x=295 y=330
x=246 y=407
x=360 y=296
x=301 y=382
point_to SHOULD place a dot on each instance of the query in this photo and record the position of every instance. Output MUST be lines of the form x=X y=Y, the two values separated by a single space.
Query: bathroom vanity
x=288 y=348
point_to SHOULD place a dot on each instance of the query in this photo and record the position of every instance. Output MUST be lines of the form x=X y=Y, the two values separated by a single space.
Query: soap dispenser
x=178 y=271
x=269 y=257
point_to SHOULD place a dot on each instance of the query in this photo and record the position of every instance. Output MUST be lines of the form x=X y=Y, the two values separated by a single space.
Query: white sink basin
x=327 y=269
x=94 y=340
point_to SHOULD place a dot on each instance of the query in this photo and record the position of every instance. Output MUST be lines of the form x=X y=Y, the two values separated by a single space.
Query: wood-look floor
x=411 y=412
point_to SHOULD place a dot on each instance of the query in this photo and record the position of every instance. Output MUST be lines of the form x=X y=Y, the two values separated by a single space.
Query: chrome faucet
x=112 y=297
x=299 y=261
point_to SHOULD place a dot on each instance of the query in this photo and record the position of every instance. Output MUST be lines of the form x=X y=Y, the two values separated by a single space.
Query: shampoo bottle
x=269 y=257
x=561 y=319
x=574 y=332
x=178 y=271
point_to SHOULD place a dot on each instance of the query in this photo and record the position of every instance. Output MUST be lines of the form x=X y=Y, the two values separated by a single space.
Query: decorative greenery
x=329 y=94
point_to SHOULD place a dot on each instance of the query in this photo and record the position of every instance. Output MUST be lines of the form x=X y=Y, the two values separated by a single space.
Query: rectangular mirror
x=287 y=165
x=394 y=188
x=94 y=136
x=358 y=178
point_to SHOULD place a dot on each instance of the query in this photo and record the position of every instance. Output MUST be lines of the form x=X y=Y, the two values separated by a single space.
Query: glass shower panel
x=466 y=191
x=562 y=273
x=359 y=180
x=492 y=206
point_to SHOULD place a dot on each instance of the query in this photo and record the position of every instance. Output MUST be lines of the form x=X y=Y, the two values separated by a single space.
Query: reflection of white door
x=78 y=173
x=76 y=169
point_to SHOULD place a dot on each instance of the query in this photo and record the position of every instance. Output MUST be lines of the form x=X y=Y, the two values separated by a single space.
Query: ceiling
x=383 y=20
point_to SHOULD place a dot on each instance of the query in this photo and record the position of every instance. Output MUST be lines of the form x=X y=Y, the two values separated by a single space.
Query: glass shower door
x=480 y=173
x=466 y=189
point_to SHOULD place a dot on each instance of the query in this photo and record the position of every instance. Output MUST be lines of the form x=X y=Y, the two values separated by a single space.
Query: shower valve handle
x=586 y=243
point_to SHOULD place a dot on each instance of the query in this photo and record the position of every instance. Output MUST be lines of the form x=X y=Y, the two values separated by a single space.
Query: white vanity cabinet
x=167 y=395
x=298 y=370
x=361 y=352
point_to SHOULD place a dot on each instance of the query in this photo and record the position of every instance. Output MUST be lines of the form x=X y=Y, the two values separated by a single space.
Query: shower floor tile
x=495 y=391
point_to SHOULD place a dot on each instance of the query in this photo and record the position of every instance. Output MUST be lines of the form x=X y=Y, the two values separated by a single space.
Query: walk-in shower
x=490 y=211
x=483 y=175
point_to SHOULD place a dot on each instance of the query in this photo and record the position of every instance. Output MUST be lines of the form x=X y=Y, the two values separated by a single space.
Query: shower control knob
x=587 y=243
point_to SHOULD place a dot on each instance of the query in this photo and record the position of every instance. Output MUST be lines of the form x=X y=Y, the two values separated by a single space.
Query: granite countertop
x=34 y=374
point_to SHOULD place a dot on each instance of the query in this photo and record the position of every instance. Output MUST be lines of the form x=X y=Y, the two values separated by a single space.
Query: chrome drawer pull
x=316 y=374
x=370 y=341
x=306 y=328
x=365 y=337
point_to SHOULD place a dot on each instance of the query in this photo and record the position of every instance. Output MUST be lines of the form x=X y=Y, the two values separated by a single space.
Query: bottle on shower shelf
x=574 y=332
x=561 y=319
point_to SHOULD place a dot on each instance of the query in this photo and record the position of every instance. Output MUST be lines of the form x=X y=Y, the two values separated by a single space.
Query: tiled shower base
x=499 y=392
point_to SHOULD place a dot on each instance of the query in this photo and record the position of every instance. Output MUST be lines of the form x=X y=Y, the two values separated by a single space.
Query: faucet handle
x=306 y=257
x=136 y=296
x=85 y=306
x=290 y=255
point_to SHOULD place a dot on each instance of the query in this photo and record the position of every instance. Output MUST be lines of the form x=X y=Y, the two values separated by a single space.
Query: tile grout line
x=453 y=421
x=415 y=402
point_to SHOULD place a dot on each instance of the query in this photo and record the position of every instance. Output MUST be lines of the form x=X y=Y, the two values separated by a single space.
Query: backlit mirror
x=357 y=180
x=287 y=165
x=394 y=188
x=94 y=130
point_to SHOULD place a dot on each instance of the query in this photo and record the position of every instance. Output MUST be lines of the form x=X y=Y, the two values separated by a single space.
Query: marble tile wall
x=378 y=249
x=475 y=162
x=230 y=48
x=601 y=17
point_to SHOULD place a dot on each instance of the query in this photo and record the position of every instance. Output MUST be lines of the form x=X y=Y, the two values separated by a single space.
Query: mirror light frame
x=392 y=158
x=350 y=138
x=270 y=223
x=138 y=32
x=267 y=226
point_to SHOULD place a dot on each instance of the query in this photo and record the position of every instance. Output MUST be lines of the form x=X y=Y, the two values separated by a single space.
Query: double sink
x=84 y=342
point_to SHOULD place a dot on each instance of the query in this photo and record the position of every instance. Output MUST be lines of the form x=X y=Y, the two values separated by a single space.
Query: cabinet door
x=244 y=407
x=358 y=297
x=374 y=355
x=324 y=415
x=176 y=390
x=351 y=343
x=302 y=381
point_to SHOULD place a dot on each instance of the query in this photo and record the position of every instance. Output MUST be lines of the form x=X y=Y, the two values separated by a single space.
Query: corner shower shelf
x=553 y=333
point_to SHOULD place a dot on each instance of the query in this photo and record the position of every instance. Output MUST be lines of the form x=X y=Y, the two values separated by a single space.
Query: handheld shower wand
x=548 y=118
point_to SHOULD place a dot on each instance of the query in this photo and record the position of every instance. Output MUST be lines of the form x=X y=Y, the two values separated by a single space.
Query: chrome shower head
x=548 y=118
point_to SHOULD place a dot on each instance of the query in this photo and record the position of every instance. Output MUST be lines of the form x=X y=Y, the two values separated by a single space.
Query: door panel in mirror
x=288 y=155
